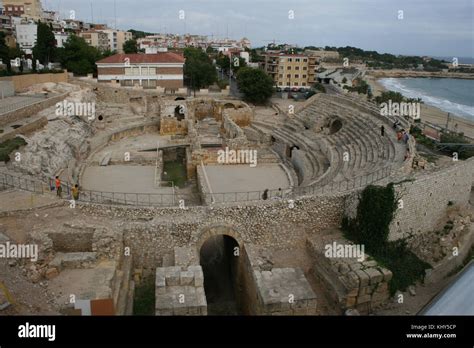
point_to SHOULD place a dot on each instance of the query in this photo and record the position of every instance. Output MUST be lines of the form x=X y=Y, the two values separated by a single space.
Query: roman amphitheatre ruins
x=157 y=206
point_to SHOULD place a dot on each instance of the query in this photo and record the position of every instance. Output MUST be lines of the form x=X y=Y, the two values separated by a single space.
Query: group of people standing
x=59 y=189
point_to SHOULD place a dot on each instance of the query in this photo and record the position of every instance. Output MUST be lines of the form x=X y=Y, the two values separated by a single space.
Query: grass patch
x=175 y=172
x=144 y=299
x=8 y=146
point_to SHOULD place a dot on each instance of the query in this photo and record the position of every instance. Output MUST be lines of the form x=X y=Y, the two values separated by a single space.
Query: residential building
x=163 y=69
x=96 y=39
x=61 y=38
x=30 y=8
x=14 y=10
x=26 y=36
x=116 y=38
x=290 y=70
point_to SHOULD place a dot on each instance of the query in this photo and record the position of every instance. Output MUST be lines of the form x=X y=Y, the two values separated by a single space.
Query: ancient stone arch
x=215 y=230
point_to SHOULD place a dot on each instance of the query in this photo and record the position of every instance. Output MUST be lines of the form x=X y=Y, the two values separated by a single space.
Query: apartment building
x=116 y=38
x=24 y=8
x=163 y=69
x=96 y=39
x=26 y=36
x=290 y=70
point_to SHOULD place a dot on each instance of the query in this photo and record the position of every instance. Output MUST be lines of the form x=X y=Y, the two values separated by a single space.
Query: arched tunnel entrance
x=219 y=258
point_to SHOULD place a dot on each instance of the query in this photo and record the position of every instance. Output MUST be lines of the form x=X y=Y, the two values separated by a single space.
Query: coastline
x=430 y=113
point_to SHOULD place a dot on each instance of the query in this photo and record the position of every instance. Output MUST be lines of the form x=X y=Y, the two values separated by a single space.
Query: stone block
x=387 y=274
x=173 y=277
x=363 y=299
x=186 y=278
x=199 y=278
x=363 y=278
x=375 y=275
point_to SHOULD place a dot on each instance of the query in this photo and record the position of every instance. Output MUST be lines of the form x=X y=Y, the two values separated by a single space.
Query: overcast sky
x=428 y=27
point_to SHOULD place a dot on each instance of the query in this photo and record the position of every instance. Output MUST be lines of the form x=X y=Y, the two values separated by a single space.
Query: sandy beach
x=430 y=113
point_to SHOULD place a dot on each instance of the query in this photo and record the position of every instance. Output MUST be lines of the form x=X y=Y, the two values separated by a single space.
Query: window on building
x=303 y=84
x=288 y=76
x=297 y=76
x=297 y=68
x=280 y=76
x=304 y=76
x=280 y=83
x=305 y=68
x=296 y=83
x=290 y=59
x=305 y=60
x=297 y=60
x=288 y=68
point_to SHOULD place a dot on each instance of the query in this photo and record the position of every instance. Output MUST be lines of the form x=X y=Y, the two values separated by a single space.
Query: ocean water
x=451 y=95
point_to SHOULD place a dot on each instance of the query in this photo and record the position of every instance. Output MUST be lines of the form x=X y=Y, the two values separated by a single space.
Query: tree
x=130 y=46
x=223 y=62
x=5 y=52
x=198 y=69
x=256 y=86
x=45 y=48
x=78 y=57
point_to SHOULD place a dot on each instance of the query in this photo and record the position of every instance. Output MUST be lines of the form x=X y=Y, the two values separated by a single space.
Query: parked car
x=294 y=89
x=287 y=89
x=302 y=90
x=278 y=89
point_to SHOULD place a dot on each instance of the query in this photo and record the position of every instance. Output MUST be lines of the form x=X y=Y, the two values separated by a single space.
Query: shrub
x=8 y=146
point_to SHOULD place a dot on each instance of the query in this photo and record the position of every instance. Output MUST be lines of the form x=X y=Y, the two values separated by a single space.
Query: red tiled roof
x=137 y=58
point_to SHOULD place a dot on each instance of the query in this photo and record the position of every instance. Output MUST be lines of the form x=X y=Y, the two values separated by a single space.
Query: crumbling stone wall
x=180 y=291
x=273 y=291
x=351 y=283
x=242 y=116
x=236 y=136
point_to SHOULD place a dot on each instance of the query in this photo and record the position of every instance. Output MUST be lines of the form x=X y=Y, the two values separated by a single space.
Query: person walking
x=75 y=192
x=265 y=195
x=382 y=130
x=59 y=188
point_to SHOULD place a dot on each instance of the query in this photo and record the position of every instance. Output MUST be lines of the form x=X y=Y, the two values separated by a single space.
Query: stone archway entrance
x=219 y=258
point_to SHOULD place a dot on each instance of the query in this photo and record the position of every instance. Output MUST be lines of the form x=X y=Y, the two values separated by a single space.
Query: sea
x=455 y=96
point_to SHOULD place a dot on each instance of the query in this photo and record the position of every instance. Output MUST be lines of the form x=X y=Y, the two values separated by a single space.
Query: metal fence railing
x=21 y=103
x=177 y=199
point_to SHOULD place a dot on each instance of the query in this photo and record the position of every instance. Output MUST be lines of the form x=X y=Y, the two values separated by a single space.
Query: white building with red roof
x=163 y=69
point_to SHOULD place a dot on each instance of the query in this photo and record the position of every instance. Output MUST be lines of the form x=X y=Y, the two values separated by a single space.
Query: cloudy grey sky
x=428 y=27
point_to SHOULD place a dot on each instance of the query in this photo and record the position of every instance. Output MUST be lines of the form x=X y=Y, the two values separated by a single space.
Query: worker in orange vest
x=59 y=189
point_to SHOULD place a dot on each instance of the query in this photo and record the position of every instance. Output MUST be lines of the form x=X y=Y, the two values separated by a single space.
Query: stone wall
x=27 y=128
x=426 y=199
x=271 y=223
x=242 y=116
x=351 y=283
x=171 y=126
x=236 y=136
x=273 y=291
x=21 y=82
x=29 y=110
x=180 y=291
